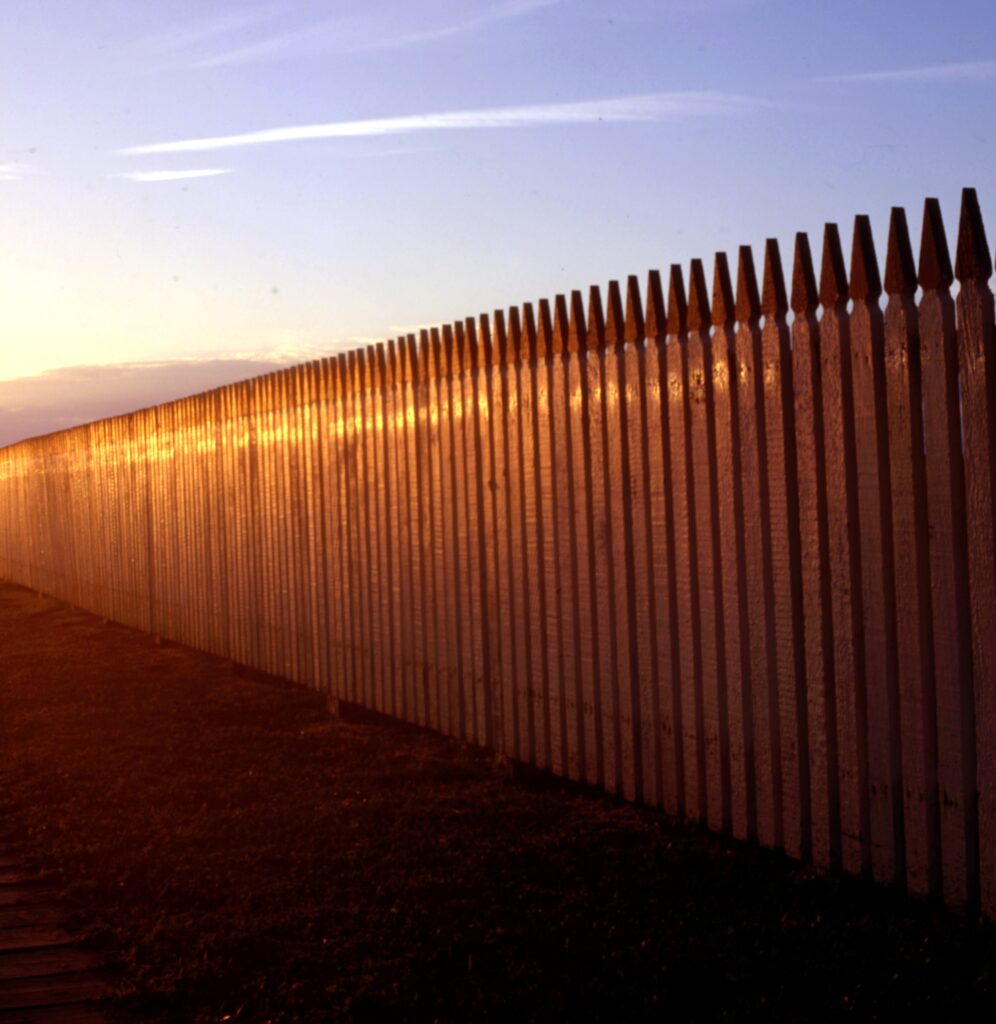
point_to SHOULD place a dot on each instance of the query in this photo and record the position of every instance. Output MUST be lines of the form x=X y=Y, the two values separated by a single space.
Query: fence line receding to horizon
x=731 y=555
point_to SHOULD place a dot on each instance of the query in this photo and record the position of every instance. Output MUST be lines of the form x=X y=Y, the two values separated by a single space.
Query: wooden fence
x=705 y=555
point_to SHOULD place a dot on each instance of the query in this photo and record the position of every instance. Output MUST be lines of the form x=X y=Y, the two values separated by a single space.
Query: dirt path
x=238 y=855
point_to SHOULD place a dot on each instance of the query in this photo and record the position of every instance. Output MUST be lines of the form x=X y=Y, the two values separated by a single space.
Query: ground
x=239 y=855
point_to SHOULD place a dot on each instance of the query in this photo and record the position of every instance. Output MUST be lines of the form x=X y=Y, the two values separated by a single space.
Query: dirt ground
x=241 y=856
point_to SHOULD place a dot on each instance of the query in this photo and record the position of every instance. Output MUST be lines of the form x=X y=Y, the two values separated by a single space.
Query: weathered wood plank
x=914 y=639
x=520 y=447
x=565 y=547
x=585 y=632
x=661 y=499
x=644 y=654
x=30 y=993
x=786 y=573
x=763 y=682
x=37 y=912
x=685 y=525
x=877 y=569
x=622 y=571
x=507 y=545
x=814 y=554
x=977 y=378
x=948 y=561
x=607 y=734
x=75 y=1014
x=493 y=482
x=39 y=963
x=733 y=584
x=33 y=937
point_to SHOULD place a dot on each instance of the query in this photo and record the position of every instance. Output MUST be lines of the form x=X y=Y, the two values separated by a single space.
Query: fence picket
x=704 y=544
x=948 y=552
x=782 y=522
x=977 y=379
x=763 y=690
x=814 y=555
x=845 y=584
x=742 y=810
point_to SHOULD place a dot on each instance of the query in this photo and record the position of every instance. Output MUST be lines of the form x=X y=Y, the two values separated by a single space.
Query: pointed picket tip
x=635 y=332
x=448 y=349
x=516 y=342
x=833 y=275
x=973 y=259
x=529 y=336
x=577 y=340
x=472 y=346
x=677 y=304
x=561 y=325
x=748 y=299
x=596 y=320
x=500 y=339
x=461 y=346
x=774 y=301
x=423 y=360
x=656 y=320
x=410 y=351
x=615 y=320
x=866 y=283
x=900 y=269
x=699 y=314
x=544 y=337
x=350 y=376
x=488 y=353
x=380 y=351
x=934 y=271
x=805 y=296
x=724 y=309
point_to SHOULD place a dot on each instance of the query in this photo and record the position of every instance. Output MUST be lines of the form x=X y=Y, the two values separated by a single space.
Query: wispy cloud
x=972 y=71
x=663 y=106
x=199 y=172
x=204 y=30
x=15 y=171
x=368 y=32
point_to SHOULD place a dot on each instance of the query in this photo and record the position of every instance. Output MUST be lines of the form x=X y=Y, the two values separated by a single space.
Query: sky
x=194 y=192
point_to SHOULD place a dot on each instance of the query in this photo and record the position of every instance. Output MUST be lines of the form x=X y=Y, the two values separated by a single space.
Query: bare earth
x=238 y=855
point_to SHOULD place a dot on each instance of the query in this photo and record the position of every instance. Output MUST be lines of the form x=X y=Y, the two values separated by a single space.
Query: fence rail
x=732 y=556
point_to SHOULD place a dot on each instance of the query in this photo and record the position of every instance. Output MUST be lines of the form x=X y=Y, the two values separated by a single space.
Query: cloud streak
x=365 y=34
x=972 y=71
x=14 y=172
x=664 y=106
x=155 y=176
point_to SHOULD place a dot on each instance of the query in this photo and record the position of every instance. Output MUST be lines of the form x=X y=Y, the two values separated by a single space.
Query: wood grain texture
x=786 y=620
x=977 y=377
x=661 y=499
x=763 y=680
x=608 y=725
x=914 y=639
x=844 y=558
x=949 y=585
x=814 y=555
x=733 y=583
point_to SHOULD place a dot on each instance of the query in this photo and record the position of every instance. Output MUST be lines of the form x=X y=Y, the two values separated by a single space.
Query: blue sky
x=379 y=164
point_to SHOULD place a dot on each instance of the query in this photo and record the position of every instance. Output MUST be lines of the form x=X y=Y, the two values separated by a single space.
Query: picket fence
x=700 y=553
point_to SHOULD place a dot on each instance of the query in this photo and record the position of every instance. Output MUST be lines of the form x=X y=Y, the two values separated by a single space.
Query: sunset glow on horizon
x=268 y=182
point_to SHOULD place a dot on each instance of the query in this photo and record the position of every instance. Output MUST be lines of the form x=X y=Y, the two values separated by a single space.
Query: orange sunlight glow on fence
x=720 y=560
